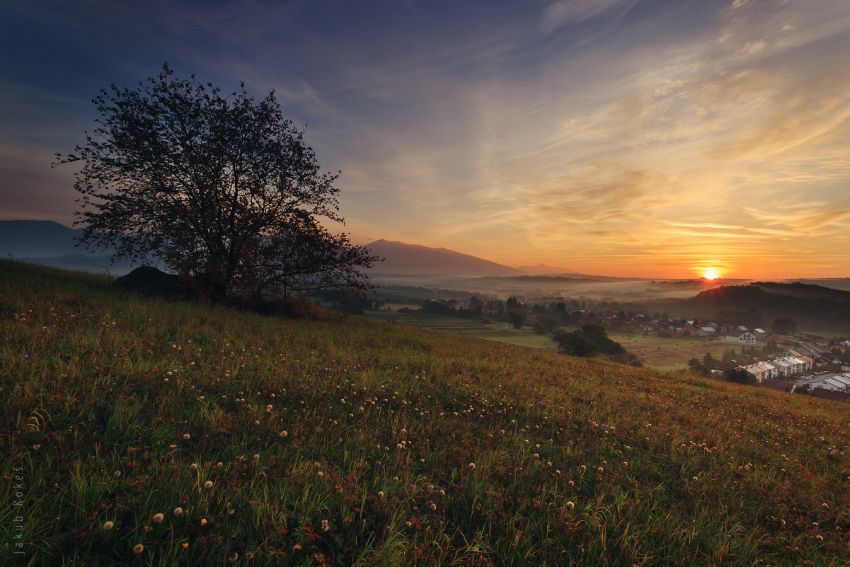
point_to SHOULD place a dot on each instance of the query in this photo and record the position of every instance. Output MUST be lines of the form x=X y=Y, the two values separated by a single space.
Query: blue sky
x=615 y=136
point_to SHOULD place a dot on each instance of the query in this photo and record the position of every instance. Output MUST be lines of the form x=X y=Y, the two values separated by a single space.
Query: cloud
x=563 y=12
x=31 y=189
x=692 y=134
x=805 y=217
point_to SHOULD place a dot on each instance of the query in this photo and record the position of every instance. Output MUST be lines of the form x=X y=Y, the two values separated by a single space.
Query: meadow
x=138 y=431
x=670 y=353
x=660 y=353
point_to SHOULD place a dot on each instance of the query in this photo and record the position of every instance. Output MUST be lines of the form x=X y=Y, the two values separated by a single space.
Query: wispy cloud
x=563 y=12
x=705 y=131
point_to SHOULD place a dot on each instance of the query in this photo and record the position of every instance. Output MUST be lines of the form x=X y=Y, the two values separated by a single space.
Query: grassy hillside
x=357 y=441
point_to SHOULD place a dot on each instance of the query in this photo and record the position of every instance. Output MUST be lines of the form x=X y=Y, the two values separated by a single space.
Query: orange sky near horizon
x=636 y=138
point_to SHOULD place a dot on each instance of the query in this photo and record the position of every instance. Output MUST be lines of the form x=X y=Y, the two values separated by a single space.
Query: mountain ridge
x=417 y=259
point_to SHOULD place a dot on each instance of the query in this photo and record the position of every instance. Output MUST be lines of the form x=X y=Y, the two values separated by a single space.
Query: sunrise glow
x=711 y=274
x=561 y=133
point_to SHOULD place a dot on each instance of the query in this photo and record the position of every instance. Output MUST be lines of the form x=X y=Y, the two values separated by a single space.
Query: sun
x=711 y=273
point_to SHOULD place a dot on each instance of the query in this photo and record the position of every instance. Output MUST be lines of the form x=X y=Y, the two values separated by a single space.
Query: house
x=783 y=367
x=770 y=370
x=830 y=382
x=741 y=338
x=808 y=361
x=790 y=365
x=755 y=370
x=706 y=331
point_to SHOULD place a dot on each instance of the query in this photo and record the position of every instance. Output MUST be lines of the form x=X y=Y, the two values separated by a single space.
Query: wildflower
x=433 y=506
x=158 y=518
x=194 y=466
x=138 y=548
x=381 y=494
x=208 y=484
x=185 y=545
x=325 y=526
x=108 y=525
x=571 y=505
x=116 y=474
x=186 y=437
x=178 y=511
x=283 y=433
x=204 y=522
x=472 y=466
x=296 y=547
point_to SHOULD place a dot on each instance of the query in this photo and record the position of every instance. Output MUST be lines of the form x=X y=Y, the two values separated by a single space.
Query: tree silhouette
x=223 y=189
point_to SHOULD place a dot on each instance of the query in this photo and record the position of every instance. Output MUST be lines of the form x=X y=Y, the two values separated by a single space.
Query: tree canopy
x=784 y=326
x=221 y=188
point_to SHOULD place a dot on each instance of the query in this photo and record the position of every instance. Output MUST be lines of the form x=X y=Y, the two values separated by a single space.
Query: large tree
x=222 y=188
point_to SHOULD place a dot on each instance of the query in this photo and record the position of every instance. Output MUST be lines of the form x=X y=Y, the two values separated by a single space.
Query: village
x=777 y=356
x=802 y=363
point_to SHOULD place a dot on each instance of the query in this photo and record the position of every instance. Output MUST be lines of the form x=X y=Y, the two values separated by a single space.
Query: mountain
x=36 y=239
x=52 y=244
x=401 y=258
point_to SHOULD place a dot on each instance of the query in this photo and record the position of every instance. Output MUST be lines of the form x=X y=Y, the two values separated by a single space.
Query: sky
x=618 y=137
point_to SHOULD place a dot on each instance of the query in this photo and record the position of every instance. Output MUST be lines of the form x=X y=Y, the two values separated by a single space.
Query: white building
x=741 y=338
x=832 y=382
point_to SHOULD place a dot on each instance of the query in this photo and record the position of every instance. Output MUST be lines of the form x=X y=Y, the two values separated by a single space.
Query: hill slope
x=352 y=440
x=401 y=258
x=760 y=303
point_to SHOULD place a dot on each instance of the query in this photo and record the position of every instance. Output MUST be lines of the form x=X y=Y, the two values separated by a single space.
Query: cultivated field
x=140 y=431
x=493 y=331
x=662 y=353
x=669 y=353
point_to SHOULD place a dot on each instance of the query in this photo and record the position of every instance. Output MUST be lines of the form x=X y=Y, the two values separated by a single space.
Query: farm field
x=139 y=431
x=666 y=353
x=662 y=353
x=494 y=331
